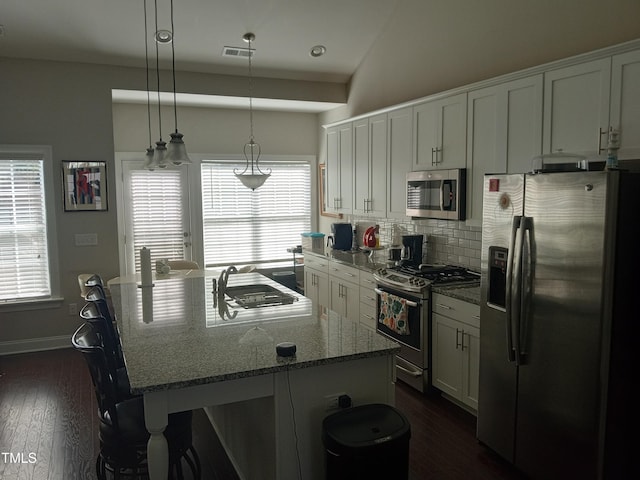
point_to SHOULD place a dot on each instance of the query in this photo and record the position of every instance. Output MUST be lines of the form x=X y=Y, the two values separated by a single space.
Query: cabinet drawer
x=367 y=280
x=317 y=263
x=368 y=296
x=344 y=272
x=368 y=315
x=460 y=310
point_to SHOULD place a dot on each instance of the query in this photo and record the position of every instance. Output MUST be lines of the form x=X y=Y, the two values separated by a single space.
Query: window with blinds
x=241 y=226
x=155 y=217
x=24 y=248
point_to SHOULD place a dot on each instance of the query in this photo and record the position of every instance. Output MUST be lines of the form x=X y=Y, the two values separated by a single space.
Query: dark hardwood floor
x=48 y=416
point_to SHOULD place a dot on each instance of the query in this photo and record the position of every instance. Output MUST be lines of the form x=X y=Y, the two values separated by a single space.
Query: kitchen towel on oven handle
x=393 y=313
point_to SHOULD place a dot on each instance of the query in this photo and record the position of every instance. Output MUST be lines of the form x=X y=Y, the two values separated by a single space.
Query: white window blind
x=24 y=250
x=242 y=226
x=156 y=214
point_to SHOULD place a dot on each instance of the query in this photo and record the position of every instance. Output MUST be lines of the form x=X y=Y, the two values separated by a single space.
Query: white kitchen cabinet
x=399 y=160
x=625 y=103
x=316 y=279
x=440 y=131
x=504 y=132
x=455 y=348
x=339 y=169
x=345 y=298
x=344 y=290
x=370 y=159
x=576 y=107
x=368 y=300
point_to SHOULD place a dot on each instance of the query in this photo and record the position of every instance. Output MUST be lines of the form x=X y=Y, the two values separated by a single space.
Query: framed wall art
x=84 y=185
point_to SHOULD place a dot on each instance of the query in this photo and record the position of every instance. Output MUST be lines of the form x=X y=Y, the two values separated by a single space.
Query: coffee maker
x=412 y=250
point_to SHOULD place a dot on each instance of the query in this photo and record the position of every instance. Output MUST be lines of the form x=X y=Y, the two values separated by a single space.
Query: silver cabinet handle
x=462 y=342
x=477 y=317
x=445 y=306
x=458 y=343
x=367 y=316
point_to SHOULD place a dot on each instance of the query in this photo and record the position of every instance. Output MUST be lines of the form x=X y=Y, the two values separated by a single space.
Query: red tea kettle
x=369 y=237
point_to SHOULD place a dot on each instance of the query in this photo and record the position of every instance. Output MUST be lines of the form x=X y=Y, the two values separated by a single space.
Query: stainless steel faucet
x=223 y=308
x=224 y=278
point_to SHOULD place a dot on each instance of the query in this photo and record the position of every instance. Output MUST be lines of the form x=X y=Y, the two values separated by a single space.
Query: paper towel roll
x=147 y=304
x=145 y=267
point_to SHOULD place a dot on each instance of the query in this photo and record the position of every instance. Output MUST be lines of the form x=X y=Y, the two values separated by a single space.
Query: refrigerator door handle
x=526 y=286
x=515 y=226
x=516 y=296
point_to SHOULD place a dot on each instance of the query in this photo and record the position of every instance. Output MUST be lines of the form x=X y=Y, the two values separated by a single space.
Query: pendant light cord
x=158 y=73
x=146 y=61
x=250 y=98
x=173 y=69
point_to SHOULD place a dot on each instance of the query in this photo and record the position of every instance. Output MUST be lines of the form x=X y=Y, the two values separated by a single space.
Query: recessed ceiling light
x=163 y=36
x=318 y=51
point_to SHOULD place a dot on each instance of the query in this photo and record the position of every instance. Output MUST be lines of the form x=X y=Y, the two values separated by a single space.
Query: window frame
x=51 y=211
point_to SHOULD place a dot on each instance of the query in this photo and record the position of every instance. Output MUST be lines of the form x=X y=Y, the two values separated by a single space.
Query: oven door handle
x=408 y=372
x=410 y=303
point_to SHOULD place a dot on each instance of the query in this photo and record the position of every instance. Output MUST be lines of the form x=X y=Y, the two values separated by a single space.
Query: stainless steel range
x=411 y=286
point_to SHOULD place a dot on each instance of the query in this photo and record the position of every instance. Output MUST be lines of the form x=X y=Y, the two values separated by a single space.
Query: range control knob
x=421 y=282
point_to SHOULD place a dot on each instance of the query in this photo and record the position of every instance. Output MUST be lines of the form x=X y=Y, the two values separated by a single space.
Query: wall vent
x=238 y=52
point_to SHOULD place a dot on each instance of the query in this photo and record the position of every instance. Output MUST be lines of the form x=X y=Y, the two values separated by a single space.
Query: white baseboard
x=35 y=344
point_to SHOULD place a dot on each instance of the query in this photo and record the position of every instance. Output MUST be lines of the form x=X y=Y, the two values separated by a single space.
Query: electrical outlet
x=73 y=309
x=332 y=401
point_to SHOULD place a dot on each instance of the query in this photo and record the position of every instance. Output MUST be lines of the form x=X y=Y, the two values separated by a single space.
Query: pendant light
x=251 y=177
x=177 y=151
x=160 y=154
x=148 y=162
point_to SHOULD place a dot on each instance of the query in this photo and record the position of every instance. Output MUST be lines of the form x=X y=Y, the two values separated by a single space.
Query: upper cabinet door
x=361 y=186
x=332 y=166
x=504 y=132
x=377 y=204
x=399 y=160
x=576 y=107
x=339 y=169
x=345 y=199
x=625 y=102
x=440 y=129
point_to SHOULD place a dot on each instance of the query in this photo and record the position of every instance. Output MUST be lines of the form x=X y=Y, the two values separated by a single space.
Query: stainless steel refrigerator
x=559 y=335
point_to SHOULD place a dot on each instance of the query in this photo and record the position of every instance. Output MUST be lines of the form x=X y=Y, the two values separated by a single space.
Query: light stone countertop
x=173 y=336
x=467 y=293
x=470 y=293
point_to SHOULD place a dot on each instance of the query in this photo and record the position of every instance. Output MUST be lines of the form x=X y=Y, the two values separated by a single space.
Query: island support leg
x=155 y=417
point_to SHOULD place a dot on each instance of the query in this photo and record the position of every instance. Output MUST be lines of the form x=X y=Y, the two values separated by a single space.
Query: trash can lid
x=363 y=426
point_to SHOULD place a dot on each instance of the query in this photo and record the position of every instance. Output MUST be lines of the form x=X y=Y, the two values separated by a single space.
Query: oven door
x=413 y=345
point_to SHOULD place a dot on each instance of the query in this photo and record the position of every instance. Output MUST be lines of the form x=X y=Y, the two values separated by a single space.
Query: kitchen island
x=186 y=347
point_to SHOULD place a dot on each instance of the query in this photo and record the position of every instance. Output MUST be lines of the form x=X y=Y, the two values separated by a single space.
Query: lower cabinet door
x=447 y=366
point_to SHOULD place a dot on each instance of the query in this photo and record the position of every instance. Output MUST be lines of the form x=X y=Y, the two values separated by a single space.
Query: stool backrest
x=86 y=340
x=108 y=334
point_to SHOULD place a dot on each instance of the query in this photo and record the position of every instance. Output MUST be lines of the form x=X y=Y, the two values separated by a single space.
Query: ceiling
x=112 y=32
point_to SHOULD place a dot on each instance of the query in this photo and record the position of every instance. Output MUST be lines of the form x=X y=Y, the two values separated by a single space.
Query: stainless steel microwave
x=437 y=194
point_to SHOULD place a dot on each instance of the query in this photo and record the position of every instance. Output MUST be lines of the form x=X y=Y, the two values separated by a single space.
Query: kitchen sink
x=258 y=295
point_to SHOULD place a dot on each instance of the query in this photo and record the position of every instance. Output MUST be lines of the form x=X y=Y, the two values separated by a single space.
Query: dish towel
x=393 y=313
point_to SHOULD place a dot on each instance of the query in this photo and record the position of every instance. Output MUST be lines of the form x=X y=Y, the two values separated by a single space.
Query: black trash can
x=366 y=442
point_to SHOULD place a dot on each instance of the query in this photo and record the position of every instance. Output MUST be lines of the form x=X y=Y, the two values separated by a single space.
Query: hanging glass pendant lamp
x=252 y=176
x=176 y=151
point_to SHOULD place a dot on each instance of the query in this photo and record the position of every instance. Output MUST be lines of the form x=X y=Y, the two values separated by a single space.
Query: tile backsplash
x=446 y=241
